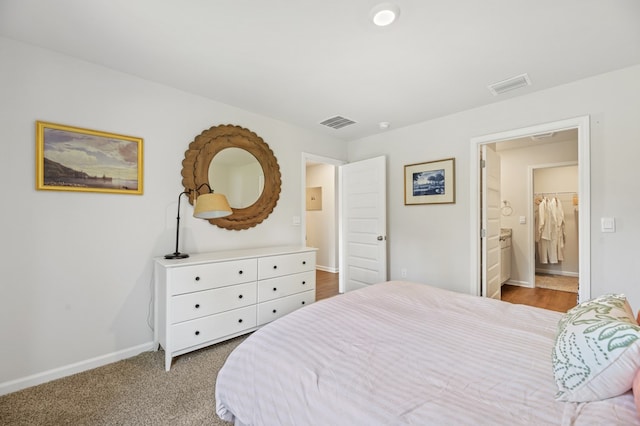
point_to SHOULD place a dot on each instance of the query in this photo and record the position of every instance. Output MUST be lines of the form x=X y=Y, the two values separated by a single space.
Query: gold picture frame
x=76 y=159
x=433 y=182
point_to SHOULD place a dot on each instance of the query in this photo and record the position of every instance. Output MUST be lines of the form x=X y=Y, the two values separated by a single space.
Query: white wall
x=76 y=267
x=321 y=224
x=432 y=241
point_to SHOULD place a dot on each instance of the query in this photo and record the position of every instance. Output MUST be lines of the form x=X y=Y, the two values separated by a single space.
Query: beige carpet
x=557 y=282
x=135 y=391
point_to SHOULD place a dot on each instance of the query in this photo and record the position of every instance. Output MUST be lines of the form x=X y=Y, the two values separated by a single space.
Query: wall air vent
x=509 y=84
x=337 y=122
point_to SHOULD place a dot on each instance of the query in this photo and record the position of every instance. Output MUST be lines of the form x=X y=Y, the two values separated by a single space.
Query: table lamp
x=205 y=206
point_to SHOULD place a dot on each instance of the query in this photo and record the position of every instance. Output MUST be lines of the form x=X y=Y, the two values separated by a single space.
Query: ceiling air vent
x=509 y=84
x=541 y=136
x=337 y=122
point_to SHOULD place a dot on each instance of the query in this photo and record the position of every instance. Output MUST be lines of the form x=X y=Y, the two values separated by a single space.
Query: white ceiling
x=303 y=61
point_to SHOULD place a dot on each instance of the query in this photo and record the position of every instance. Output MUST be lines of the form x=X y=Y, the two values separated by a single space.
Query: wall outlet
x=403 y=272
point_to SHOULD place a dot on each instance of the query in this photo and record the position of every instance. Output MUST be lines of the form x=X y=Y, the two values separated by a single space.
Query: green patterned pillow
x=597 y=350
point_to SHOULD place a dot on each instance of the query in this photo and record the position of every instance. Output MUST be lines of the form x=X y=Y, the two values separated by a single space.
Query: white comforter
x=404 y=353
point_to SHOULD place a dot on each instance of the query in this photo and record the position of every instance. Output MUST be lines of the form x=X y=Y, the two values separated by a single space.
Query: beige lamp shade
x=211 y=206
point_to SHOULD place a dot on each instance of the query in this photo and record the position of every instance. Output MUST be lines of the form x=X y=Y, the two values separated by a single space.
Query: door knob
x=380 y=238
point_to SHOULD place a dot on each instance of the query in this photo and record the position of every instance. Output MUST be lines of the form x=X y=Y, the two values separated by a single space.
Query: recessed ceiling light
x=385 y=14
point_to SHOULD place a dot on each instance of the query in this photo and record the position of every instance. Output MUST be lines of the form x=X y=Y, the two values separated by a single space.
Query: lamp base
x=176 y=255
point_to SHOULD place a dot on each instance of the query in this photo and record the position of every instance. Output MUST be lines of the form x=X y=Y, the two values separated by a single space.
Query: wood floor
x=561 y=301
x=554 y=300
x=326 y=284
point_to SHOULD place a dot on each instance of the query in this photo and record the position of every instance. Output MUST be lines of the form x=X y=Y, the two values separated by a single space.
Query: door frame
x=307 y=157
x=580 y=123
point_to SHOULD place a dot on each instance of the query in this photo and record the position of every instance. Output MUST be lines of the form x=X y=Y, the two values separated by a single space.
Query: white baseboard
x=519 y=283
x=552 y=272
x=67 y=370
x=327 y=269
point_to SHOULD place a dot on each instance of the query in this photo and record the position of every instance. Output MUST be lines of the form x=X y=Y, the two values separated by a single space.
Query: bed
x=407 y=353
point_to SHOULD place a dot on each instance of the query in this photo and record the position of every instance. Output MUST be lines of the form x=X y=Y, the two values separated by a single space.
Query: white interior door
x=363 y=233
x=491 y=267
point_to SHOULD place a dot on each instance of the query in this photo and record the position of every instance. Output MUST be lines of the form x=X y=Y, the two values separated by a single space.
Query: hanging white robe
x=550 y=231
x=560 y=226
x=552 y=247
x=543 y=231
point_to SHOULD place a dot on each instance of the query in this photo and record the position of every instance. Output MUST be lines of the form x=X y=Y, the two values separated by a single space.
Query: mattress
x=404 y=353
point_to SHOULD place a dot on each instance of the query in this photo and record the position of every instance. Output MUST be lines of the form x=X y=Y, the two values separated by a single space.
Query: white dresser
x=211 y=297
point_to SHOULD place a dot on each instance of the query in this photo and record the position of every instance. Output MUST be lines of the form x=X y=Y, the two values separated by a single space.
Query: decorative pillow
x=597 y=350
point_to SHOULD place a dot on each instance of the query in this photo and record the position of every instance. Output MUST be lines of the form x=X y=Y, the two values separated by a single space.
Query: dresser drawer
x=203 y=277
x=202 y=303
x=274 y=309
x=201 y=330
x=287 y=285
x=274 y=266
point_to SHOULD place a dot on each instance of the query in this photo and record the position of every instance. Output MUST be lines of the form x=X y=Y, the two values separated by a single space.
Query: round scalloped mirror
x=205 y=162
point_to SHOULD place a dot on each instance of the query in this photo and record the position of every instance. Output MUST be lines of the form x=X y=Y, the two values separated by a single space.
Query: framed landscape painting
x=433 y=182
x=75 y=159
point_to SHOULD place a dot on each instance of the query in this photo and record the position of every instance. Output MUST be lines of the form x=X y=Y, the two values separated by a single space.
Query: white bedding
x=404 y=353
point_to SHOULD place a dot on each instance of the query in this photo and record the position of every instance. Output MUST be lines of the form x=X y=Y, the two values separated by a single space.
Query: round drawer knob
x=275 y=266
x=275 y=289
x=197 y=333
x=239 y=296
x=304 y=262
x=274 y=311
x=197 y=305
x=303 y=302
x=240 y=320
x=304 y=282
x=197 y=278
x=240 y=272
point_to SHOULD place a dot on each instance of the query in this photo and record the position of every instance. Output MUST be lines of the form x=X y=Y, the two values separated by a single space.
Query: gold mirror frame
x=195 y=171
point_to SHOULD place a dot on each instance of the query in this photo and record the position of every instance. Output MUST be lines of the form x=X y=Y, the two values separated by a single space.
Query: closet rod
x=555 y=193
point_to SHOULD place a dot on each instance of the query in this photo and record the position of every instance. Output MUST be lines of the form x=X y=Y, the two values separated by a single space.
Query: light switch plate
x=608 y=224
x=523 y=220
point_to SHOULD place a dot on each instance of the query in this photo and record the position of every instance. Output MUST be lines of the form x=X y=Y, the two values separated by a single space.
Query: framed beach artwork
x=75 y=159
x=433 y=182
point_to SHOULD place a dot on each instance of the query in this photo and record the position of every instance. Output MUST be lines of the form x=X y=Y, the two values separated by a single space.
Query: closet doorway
x=320 y=208
x=554 y=191
x=523 y=216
